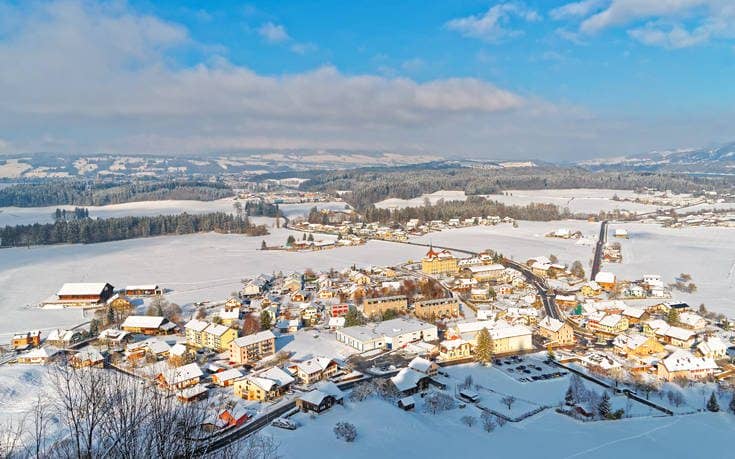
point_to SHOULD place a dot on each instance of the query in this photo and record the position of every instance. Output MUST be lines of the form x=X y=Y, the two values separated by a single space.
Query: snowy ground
x=195 y=267
x=576 y=200
x=385 y=431
x=708 y=254
x=526 y=241
x=30 y=215
x=397 y=203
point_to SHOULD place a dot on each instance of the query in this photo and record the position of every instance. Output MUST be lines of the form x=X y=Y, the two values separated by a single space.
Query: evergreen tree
x=290 y=240
x=311 y=238
x=731 y=407
x=569 y=397
x=712 y=404
x=263 y=245
x=94 y=327
x=110 y=316
x=484 y=348
x=353 y=317
x=673 y=316
x=265 y=321
x=603 y=408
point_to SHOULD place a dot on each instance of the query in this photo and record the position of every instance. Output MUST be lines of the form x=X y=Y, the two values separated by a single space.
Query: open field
x=196 y=267
x=433 y=198
x=576 y=200
x=708 y=254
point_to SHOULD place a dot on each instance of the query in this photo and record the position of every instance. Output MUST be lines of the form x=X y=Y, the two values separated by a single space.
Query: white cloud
x=495 y=24
x=576 y=9
x=273 y=33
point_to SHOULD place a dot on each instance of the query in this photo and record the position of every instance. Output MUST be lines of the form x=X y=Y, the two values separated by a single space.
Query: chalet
x=87 y=357
x=456 y=349
x=441 y=307
x=84 y=293
x=227 y=377
x=713 y=348
x=683 y=364
x=148 y=325
x=232 y=304
x=606 y=280
x=409 y=381
x=180 y=377
x=324 y=396
x=424 y=366
x=555 y=332
x=192 y=393
x=670 y=334
x=39 y=356
x=637 y=345
x=377 y=306
x=591 y=289
x=251 y=348
x=315 y=369
x=25 y=340
x=263 y=386
x=143 y=290
x=114 y=336
x=120 y=304
x=692 y=321
x=152 y=346
x=634 y=315
x=63 y=338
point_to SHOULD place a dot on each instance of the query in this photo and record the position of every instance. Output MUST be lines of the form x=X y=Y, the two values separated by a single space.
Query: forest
x=83 y=193
x=91 y=230
x=370 y=185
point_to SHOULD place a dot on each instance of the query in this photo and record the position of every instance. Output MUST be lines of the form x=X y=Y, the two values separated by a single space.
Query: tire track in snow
x=619 y=440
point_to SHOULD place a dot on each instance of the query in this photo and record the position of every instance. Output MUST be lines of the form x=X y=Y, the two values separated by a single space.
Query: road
x=601 y=241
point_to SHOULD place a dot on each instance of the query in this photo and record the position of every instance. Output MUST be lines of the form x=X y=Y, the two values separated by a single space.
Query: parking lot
x=528 y=369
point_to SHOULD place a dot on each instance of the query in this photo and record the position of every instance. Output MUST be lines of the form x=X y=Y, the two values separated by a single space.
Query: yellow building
x=440 y=307
x=200 y=333
x=611 y=324
x=558 y=333
x=456 y=349
x=378 y=306
x=439 y=262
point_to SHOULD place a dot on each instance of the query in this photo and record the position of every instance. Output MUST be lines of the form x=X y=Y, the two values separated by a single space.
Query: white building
x=390 y=334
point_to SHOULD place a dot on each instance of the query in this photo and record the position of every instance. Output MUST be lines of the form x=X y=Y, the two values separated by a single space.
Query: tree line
x=83 y=193
x=90 y=230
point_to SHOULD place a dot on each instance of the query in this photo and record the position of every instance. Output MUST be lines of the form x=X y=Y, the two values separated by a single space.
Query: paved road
x=601 y=240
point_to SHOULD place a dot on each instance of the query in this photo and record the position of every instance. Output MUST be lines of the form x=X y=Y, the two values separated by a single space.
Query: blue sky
x=540 y=79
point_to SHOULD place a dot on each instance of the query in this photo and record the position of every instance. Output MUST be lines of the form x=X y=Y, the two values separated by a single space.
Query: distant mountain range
x=717 y=160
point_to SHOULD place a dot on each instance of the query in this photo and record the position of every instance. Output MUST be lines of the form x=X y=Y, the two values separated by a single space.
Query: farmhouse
x=423 y=365
x=324 y=396
x=39 y=356
x=409 y=381
x=84 y=293
x=25 y=340
x=63 y=338
x=148 y=325
x=251 y=348
x=143 y=290
x=88 y=357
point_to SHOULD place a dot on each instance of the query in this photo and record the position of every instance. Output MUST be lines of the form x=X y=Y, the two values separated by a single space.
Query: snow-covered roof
x=181 y=374
x=712 y=346
x=420 y=364
x=254 y=338
x=314 y=365
x=551 y=324
x=82 y=288
x=486 y=268
x=41 y=352
x=228 y=375
x=504 y=330
x=682 y=360
x=216 y=329
x=278 y=375
x=178 y=349
x=196 y=325
x=143 y=321
x=142 y=287
x=611 y=320
x=605 y=277
x=89 y=353
x=634 y=312
x=407 y=379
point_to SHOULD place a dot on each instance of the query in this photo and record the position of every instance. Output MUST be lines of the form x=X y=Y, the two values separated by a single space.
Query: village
x=415 y=334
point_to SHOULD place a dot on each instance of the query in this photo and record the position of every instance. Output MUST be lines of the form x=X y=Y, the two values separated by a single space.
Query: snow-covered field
x=30 y=215
x=397 y=203
x=526 y=241
x=708 y=254
x=576 y=200
x=386 y=431
x=196 y=267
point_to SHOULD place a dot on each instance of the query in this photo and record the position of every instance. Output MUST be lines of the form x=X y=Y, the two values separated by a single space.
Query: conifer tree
x=603 y=408
x=712 y=404
x=484 y=350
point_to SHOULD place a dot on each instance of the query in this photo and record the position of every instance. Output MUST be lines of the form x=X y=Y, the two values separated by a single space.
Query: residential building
x=84 y=293
x=38 y=356
x=148 y=325
x=200 y=333
x=555 y=332
x=251 y=348
x=227 y=377
x=424 y=366
x=263 y=386
x=314 y=370
x=683 y=364
x=610 y=324
x=455 y=349
x=324 y=396
x=637 y=345
x=372 y=307
x=438 y=308
x=143 y=290
x=484 y=273
x=442 y=262
x=25 y=340
x=180 y=377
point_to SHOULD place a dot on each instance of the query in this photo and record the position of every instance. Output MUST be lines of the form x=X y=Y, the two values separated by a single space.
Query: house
x=507 y=338
x=372 y=307
x=143 y=290
x=424 y=366
x=555 y=332
x=313 y=370
x=407 y=403
x=566 y=300
x=339 y=309
x=692 y=321
x=484 y=273
x=84 y=293
x=232 y=304
x=637 y=345
x=192 y=393
x=263 y=386
x=683 y=364
x=203 y=334
x=621 y=233
x=336 y=322
x=230 y=317
x=148 y=325
x=180 y=377
x=438 y=308
x=114 y=336
x=606 y=280
x=634 y=315
x=288 y=326
x=409 y=381
x=152 y=346
x=713 y=348
x=480 y=293
x=442 y=262
x=591 y=289
x=389 y=334
x=455 y=349
x=324 y=396
x=39 y=356
x=610 y=324
x=234 y=416
x=251 y=348
x=63 y=338
x=25 y=340
x=227 y=377
x=87 y=357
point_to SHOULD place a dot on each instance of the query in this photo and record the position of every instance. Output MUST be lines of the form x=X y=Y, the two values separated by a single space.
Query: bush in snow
x=361 y=391
x=345 y=431
x=437 y=402
x=469 y=421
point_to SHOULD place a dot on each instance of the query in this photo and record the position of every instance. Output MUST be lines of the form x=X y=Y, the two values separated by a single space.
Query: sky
x=547 y=80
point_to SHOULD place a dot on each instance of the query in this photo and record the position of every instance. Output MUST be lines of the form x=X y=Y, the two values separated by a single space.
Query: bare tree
x=508 y=401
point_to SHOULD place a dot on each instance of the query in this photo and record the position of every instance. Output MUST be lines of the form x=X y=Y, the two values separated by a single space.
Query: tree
x=508 y=401
x=484 y=350
x=436 y=402
x=201 y=313
x=712 y=404
x=263 y=245
x=603 y=408
x=354 y=317
x=266 y=321
x=469 y=421
x=569 y=397
x=673 y=316
x=553 y=258
x=731 y=406
x=94 y=327
x=577 y=269
x=345 y=431
x=250 y=325
x=290 y=240
x=310 y=238
x=488 y=424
